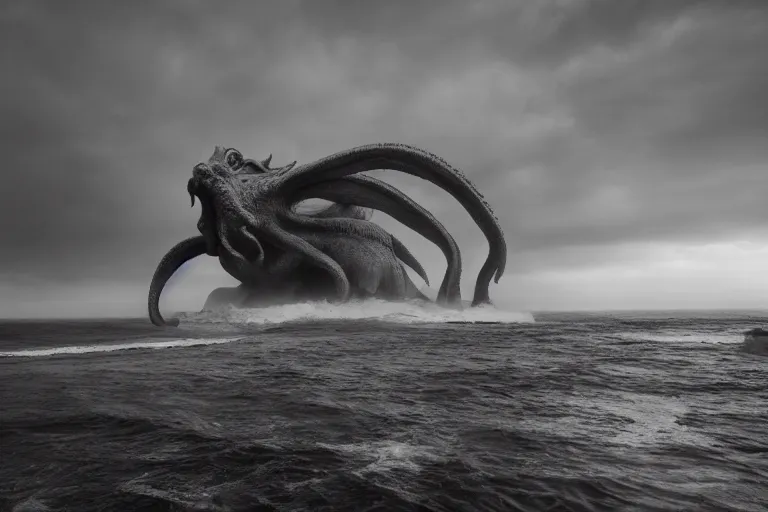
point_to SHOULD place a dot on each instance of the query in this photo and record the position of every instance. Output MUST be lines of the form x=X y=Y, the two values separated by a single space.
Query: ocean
x=372 y=406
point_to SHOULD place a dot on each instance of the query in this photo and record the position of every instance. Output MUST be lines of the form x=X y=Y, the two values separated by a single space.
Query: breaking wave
x=371 y=309
x=413 y=312
x=685 y=337
x=87 y=349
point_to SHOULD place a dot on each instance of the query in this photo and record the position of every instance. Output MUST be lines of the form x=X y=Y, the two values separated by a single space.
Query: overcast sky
x=623 y=144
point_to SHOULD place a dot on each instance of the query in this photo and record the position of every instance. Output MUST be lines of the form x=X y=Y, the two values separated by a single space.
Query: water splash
x=370 y=309
x=87 y=349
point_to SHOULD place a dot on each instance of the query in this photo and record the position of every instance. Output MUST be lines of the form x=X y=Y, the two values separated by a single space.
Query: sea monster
x=251 y=221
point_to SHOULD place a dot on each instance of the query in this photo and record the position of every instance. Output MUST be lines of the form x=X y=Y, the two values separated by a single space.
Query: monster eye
x=234 y=159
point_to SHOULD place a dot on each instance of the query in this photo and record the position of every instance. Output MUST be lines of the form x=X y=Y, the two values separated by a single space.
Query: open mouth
x=207 y=222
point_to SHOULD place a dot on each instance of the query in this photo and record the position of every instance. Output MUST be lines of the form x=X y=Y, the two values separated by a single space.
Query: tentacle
x=373 y=193
x=238 y=262
x=173 y=259
x=412 y=291
x=419 y=163
x=402 y=252
x=293 y=243
x=361 y=228
x=255 y=241
x=223 y=234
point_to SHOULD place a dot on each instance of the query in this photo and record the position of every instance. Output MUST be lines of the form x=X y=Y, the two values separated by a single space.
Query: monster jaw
x=208 y=221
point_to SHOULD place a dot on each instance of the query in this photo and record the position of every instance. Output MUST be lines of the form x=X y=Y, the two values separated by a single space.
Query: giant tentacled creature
x=251 y=221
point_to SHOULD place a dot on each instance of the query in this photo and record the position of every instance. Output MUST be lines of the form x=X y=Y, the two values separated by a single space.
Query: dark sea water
x=578 y=412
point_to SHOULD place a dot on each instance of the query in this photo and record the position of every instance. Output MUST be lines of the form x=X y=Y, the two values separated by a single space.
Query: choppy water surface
x=629 y=412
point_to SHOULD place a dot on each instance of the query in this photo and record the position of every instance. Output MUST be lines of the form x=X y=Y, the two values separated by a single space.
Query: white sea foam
x=639 y=420
x=85 y=349
x=413 y=312
x=382 y=456
x=685 y=337
x=371 y=309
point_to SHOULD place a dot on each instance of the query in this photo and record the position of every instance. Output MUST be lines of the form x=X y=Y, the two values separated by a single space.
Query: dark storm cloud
x=544 y=32
x=96 y=114
x=675 y=125
x=583 y=122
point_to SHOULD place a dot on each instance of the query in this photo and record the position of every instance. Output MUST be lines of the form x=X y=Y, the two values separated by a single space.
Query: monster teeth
x=191 y=189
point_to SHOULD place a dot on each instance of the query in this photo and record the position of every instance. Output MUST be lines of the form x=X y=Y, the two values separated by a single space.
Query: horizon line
x=532 y=312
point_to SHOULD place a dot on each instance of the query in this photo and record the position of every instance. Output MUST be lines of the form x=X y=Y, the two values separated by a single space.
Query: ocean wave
x=86 y=349
x=383 y=456
x=317 y=416
x=370 y=309
x=684 y=337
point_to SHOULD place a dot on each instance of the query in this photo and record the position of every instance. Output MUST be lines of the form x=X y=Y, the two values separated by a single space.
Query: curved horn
x=402 y=252
x=266 y=161
x=419 y=163
x=372 y=193
x=173 y=259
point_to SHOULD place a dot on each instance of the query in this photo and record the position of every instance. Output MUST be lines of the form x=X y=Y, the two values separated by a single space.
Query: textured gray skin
x=370 y=192
x=250 y=222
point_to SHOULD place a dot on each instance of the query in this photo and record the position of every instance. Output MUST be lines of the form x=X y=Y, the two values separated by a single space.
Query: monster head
x=233 y=193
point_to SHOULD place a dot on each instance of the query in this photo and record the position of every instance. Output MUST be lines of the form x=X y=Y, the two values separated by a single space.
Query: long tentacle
x=402 y=252
x=293 y=243
x=224 y=240
x=173 y=259
x=255 y=242
x=419 y=163
x=241 y=264
x=376 y=194
x=363 y=229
